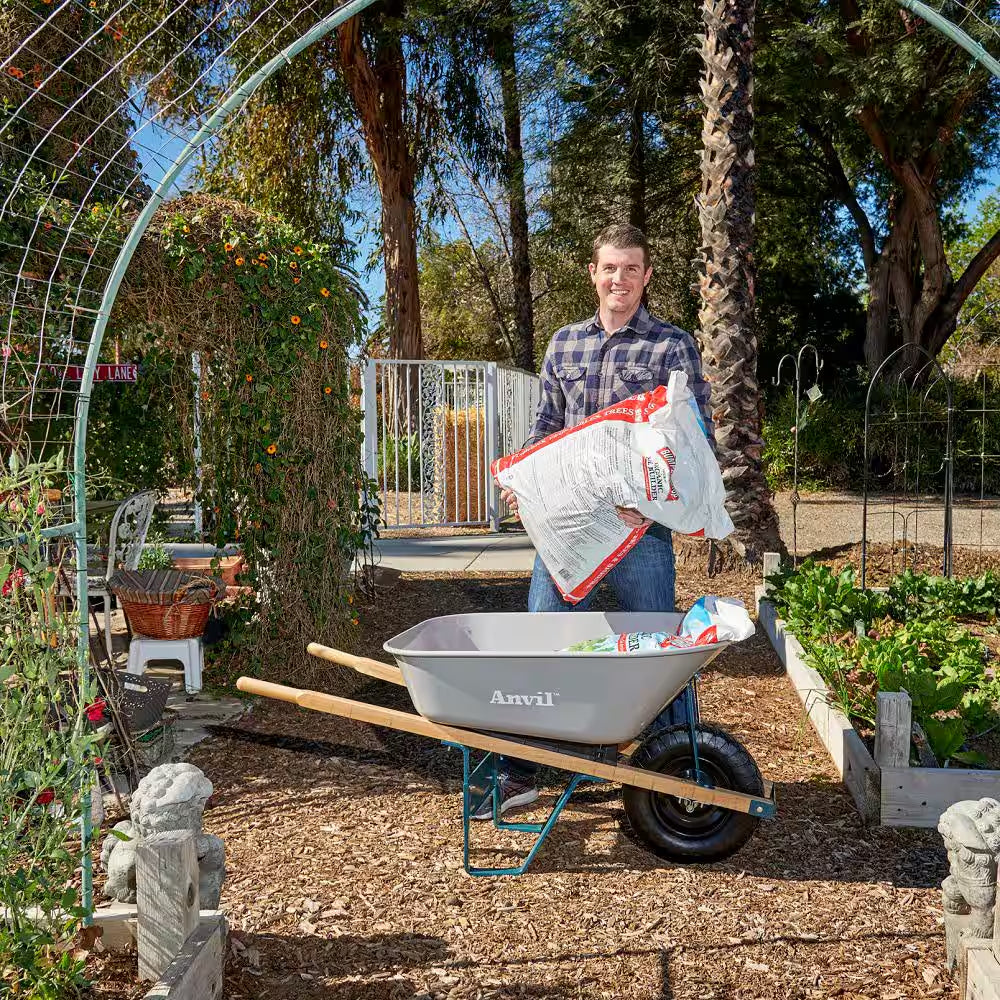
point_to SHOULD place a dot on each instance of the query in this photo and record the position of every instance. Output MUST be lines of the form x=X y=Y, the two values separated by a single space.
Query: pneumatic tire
x=684 y=831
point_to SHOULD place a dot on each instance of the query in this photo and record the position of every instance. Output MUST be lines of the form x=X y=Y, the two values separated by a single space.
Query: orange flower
x=249 y=378
x=293 y=265
x=239 y=261
x=271 y=449
x=205 y=395
x=327 y=390
x=354 y=621
x=325 y=292
x=262 y=256
x=296 y=249
x=323 y=345
x=187 y=229
x=257 y=467
x=295 y=281
x=296 y=320
x=229 y=247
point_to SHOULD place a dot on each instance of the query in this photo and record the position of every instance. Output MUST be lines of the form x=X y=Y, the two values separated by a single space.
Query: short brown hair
x=622 y=236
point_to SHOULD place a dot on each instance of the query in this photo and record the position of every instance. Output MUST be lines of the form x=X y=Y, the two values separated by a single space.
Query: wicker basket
x=166 y=621
x=164 y=604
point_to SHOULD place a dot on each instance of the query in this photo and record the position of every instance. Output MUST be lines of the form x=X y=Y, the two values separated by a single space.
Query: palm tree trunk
x=726 y=283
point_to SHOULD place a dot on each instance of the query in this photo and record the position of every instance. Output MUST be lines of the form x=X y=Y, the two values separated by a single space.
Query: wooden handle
x=268 y=690
x=363 y=665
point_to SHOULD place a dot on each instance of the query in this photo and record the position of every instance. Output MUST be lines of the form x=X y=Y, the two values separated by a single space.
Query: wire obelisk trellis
x=812 y=395
x=100 y=115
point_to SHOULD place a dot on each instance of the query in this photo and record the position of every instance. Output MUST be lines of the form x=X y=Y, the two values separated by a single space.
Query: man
x=621 y=351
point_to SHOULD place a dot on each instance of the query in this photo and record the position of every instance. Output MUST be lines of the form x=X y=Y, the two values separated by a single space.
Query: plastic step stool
x=188 y=652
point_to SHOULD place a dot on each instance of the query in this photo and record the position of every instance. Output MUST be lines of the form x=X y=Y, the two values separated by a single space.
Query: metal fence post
x=369 y=410
x=492 y=444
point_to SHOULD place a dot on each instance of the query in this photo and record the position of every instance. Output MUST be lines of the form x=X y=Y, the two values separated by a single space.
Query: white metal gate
x=432 y=428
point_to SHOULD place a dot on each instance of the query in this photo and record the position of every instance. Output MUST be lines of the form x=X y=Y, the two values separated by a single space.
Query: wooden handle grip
x=251 y=685
x=363 y=664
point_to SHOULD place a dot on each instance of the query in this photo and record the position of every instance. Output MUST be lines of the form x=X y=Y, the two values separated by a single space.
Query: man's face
x=620 y=277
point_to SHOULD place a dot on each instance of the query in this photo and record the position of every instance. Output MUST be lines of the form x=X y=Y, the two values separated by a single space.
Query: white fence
x=432 y=428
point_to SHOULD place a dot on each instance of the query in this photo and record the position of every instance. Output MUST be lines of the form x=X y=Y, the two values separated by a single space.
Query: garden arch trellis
x=56 y=321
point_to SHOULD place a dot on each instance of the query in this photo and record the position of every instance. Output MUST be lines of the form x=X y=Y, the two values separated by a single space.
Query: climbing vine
x=274 y=321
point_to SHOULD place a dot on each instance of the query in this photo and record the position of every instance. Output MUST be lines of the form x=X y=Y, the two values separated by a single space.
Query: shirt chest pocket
x=572 y=381
x=632 y=379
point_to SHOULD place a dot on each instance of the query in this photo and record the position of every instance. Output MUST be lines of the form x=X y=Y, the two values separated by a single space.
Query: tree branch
x=977 y=267
x=835 y=170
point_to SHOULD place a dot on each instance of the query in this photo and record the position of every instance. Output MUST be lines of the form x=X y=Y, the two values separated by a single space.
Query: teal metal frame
x=475 y=793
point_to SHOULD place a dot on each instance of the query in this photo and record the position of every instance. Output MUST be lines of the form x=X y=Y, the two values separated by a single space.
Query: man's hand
x=632 y=517
x=509 y=497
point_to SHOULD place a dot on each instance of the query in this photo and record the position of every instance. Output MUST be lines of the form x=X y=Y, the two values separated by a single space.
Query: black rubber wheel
x=681 y=830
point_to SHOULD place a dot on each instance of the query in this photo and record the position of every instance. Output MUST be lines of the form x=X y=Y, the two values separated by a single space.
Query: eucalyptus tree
x=903 y=124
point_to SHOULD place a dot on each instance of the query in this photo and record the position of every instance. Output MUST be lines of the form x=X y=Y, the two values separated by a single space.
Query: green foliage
x=46 y=751
x=906 y=437
x=979 y=321
x=399 y=459
x=154 y=555
x=280 y=426
x=905 y=639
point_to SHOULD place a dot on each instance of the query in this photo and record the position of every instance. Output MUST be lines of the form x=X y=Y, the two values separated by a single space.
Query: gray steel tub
x=508 y=673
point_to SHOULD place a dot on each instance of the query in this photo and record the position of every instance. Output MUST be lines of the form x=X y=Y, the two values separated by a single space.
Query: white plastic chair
x=128 y=535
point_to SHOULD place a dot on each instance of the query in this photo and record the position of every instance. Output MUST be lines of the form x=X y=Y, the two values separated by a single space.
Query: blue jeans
x=642 y=581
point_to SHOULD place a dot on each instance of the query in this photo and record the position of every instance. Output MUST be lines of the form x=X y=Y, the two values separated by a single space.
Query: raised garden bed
x=877 y=762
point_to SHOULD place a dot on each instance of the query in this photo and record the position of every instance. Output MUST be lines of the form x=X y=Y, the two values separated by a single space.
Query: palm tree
x=726 y=280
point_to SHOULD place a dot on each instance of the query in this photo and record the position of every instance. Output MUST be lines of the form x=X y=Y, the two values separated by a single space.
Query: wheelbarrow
x=504 y=684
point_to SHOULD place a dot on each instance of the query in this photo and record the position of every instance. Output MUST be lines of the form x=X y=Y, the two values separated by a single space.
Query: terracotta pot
x=227 y=568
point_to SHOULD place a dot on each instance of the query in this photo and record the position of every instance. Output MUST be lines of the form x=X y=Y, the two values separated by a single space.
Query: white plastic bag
x=648 y=452
x=716 y=619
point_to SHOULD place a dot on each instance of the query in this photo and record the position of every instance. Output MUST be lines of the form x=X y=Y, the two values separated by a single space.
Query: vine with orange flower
x=275 y=321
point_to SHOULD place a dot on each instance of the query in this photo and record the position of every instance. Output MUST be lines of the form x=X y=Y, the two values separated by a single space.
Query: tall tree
x=401 y=74
x=726 y=284
x=903 y=122
x=377 y=83
x=504 y=52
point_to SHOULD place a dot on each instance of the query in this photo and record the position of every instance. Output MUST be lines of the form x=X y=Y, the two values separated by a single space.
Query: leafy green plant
x=155 y=556
x=904 y=639
x=47 y=747
x=400 y=456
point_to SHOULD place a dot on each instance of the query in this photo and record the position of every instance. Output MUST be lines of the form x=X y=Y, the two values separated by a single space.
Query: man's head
x=620 y=269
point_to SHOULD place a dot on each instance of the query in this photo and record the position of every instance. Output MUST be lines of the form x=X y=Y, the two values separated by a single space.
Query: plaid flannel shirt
x=586 y=370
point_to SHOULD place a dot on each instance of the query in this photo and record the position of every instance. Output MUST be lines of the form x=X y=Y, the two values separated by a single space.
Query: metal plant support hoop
x=905 y=474
x=796 y=361
x=78 y=323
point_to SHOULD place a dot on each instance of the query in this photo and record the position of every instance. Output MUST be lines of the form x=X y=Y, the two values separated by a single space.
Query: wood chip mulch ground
x=346 y=883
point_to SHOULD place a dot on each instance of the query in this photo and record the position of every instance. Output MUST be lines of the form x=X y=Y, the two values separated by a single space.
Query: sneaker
x=514 y=793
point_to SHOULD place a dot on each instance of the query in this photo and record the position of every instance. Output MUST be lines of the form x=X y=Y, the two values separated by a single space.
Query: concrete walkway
x=457 y=553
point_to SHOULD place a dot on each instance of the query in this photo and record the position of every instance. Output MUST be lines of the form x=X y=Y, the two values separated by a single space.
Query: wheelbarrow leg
x=473 y=797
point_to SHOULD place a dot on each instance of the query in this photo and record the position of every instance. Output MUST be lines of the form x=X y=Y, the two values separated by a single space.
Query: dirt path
x=346 y=882
x=829 y=519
